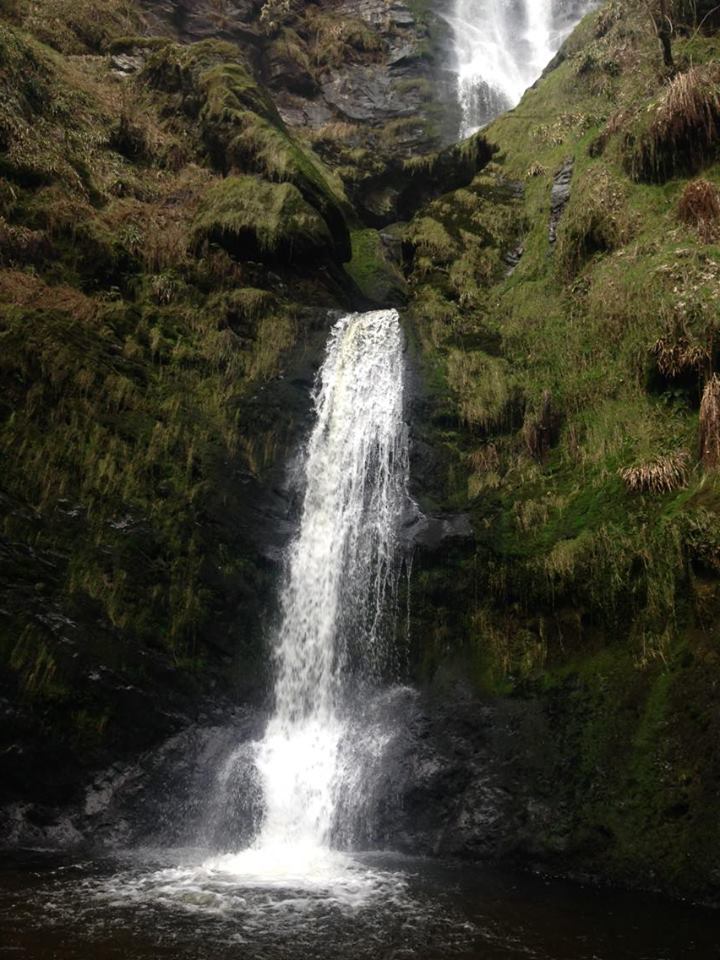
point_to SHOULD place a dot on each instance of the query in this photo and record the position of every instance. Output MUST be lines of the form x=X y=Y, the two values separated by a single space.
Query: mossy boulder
x=376 y=276
x=253 y=219
x=241 y=128
x=401 y=187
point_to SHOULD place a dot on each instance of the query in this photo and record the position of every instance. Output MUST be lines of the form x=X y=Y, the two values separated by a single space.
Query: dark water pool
x=176 y=905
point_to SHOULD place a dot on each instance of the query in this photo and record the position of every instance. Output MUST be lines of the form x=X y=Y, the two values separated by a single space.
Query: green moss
x=379 y=280
x=241 y=128
x=596 y=348
x=596 y=221
x=487 y=397
x=251 y=218
x=430 y=238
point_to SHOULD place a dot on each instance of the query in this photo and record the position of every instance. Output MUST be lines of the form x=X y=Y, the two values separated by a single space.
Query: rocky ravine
x=180 y=217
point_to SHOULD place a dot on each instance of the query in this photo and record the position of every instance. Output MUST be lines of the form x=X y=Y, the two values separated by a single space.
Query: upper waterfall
x=501 y=47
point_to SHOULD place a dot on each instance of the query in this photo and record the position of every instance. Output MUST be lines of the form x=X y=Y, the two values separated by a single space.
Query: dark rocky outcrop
x=560 y=196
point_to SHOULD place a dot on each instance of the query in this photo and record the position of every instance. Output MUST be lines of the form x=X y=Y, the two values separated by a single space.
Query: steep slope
x=170 y=246
x=156 y=216
x=565 y=307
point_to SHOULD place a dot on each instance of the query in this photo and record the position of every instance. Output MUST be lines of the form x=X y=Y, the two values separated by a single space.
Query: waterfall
x=339 y=592
x=501 y=47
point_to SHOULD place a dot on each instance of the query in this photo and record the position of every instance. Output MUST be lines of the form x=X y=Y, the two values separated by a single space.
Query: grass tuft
x=681 y=131
x=661 y=475
x=699 y=206
x=710 y=423
x=251 y=218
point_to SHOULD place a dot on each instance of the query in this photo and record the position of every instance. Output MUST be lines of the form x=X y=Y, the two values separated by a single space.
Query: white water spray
x=501 y=47
x=338 y=596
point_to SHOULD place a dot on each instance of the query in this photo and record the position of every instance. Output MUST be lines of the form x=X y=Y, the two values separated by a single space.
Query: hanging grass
x=681 y=131
x=710 y=423
x=677 y=356
x=251 y=218
x=661 y=475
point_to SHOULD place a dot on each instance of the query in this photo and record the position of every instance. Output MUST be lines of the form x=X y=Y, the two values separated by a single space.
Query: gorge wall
x=189 y=193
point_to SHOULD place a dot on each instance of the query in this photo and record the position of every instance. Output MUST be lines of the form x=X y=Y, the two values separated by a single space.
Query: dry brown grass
x=675 y=356
x=29 y=291
x=710 y=423
x=661 y=475
x=21 y=245
x=699 y=206
x=536 y=169
x=337 y=131
x=80 y=26
x=683 y=129
x=484 y=459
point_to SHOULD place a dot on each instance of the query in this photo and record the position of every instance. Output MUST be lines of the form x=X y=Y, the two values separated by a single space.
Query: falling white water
x=501 y=47
x=338 y=595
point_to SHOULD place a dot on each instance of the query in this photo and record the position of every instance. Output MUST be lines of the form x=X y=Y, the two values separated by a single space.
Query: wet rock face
x=463 y=777
x=560 y=196
x=193 y=20
x=457 y=777
x=366 y=93
x=184 y=791
x=403 y=77
x=433 y=531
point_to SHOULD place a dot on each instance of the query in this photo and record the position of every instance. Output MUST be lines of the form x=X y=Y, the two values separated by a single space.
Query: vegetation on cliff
x=169 y=244
x=153 y=213
x=575 y=338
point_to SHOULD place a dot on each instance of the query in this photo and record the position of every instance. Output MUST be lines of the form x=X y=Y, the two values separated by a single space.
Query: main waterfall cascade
x=342 y=576
x=501 y=47
x=338 y=599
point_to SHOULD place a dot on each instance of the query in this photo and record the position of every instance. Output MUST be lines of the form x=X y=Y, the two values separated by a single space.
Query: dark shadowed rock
x=434 y=531
x=559 y=196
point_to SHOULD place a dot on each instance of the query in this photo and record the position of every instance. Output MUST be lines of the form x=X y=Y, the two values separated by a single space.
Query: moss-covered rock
x=255 y=220
x=241 y=128
x=379 y=279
